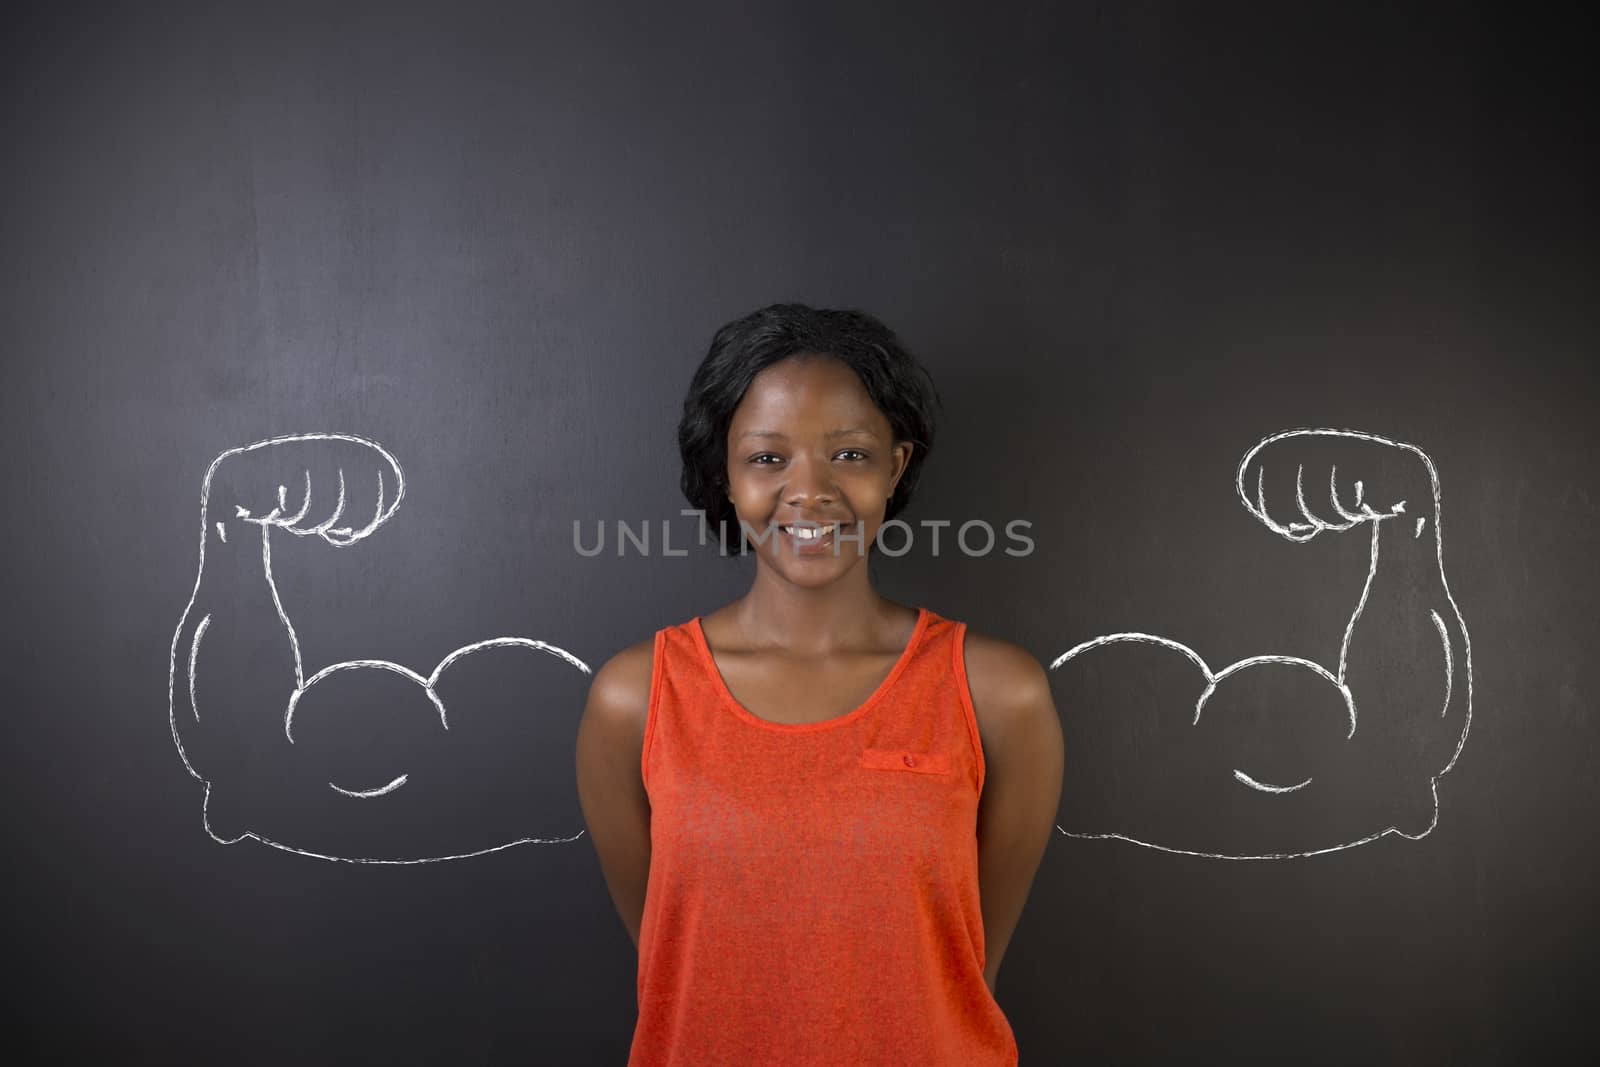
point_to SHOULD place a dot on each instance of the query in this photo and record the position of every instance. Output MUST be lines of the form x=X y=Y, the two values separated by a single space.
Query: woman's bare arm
x=611 y=791
x=1022 y=748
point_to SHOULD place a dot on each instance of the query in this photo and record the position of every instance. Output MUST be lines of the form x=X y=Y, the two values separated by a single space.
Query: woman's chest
x=795 y=692
x=894 y=809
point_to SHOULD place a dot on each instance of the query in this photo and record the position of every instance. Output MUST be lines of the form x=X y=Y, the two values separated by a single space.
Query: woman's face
x=807 y=446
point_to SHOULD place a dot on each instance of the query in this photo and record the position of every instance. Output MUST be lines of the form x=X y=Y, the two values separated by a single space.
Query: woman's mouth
x=807 y=540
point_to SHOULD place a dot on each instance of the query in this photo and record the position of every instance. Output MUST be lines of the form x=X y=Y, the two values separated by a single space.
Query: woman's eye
x=768 y=455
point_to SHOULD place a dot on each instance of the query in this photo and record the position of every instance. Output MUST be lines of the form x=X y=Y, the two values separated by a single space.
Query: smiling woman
x=818 y=812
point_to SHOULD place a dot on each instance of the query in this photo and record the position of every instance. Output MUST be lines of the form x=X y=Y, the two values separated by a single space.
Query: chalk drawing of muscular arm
x=365 y=761
x=1278 y=756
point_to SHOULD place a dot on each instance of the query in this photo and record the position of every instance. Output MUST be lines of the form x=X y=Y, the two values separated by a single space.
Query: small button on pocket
x=899 y=759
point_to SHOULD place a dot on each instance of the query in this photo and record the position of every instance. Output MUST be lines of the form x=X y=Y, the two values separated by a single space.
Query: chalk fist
x=337 y=486
x=1302 y=482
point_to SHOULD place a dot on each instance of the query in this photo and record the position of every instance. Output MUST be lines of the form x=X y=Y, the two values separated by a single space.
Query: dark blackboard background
x=1128 y=239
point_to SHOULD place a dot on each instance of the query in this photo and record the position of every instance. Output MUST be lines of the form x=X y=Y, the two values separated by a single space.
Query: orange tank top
x=813 y=888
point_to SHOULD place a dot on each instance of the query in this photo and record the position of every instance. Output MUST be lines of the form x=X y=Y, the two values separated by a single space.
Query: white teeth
x=806 y=533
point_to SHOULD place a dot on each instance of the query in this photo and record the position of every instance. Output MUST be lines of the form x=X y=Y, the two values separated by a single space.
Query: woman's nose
x=810 y=480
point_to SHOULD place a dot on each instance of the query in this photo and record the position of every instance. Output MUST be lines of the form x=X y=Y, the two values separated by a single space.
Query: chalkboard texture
x=335 y=335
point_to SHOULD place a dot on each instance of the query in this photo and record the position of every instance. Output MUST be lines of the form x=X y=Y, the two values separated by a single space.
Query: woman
x=818 y=812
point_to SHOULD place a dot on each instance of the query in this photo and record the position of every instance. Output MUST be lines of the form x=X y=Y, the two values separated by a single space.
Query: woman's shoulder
x=626 y=675
x=619 y=692
x=1005 y=679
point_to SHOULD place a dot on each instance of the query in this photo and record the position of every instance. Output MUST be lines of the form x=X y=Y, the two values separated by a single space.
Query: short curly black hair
x=899 y=385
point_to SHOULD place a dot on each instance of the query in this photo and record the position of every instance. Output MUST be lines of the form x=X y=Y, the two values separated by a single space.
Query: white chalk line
x=1300 y=532
x=1213 y=678
x=427 y=683
x=1265 y=788
x=1361 y=602
x=205 y=821
x=277 y=602
x=1275 y=855
x=1433 y=787
x=1449 y=665
x=194 y=651
x=1375 y=517
x=339 y=537
x=205 y=495
x=365 y=793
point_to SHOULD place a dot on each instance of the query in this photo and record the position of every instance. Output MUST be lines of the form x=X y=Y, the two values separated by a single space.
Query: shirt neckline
x=924 y=617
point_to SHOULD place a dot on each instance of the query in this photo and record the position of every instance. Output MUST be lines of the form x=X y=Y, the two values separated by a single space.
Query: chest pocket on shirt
x=907 y=760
